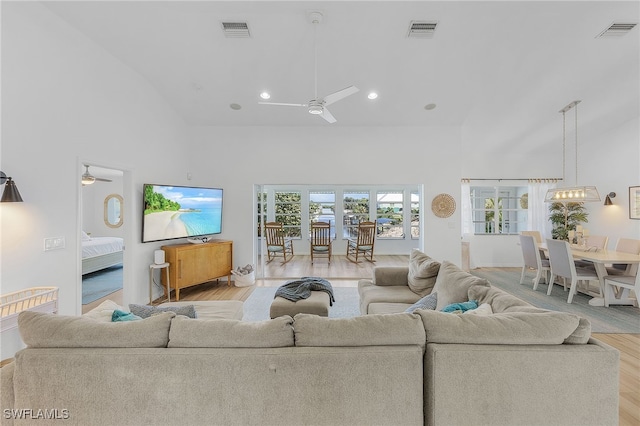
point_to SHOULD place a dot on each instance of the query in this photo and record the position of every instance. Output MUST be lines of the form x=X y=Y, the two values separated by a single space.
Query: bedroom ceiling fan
x=89 y=179
x=317 y=106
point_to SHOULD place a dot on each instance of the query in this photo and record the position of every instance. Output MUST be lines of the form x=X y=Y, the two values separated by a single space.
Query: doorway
x=103 y=232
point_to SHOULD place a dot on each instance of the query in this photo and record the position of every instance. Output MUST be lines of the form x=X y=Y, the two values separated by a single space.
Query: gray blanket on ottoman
x=301 y=289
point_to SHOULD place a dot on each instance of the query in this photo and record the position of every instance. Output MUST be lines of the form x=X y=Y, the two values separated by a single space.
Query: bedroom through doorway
x=102 y=235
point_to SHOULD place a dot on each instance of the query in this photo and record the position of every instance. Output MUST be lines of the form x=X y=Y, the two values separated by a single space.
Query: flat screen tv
x=172 y=212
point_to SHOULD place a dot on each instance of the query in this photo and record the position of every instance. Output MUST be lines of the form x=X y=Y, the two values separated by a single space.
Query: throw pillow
x=452 y=284
x=119 y=316
x=428 y=302
x=461 y=307
x=423 y=271
x=103 y=311
x=145 y=311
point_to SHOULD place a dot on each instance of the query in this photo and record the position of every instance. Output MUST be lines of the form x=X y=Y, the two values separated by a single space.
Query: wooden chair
x=277 y=243
x=321 y=240
x=363 y=244
x=563 y=265
x=532 y=260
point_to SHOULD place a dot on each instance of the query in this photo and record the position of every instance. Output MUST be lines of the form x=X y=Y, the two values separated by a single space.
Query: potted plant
x=565 y=217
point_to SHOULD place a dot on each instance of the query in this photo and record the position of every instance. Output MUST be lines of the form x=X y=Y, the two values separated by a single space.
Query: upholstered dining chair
x=622 y=284
x=537 y=236
x=625 y=245
x=593 y=242
x=277 y=243
x=563 y=265
x=363 y=244
x=320 y=240
x=532 y=260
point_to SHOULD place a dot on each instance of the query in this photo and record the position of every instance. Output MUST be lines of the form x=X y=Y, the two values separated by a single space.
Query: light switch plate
x=54 y=243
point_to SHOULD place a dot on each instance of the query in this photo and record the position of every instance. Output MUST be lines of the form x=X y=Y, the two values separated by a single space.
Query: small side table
x=152 y=267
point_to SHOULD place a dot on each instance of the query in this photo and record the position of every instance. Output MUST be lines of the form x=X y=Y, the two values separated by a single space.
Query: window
x=499 y=209
x=261 y=197
x=322 y=208
x=415 y=215
x=389 y=214
x=356 y=210
x=288 y=211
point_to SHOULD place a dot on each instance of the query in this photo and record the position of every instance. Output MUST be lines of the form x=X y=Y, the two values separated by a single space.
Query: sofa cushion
x=367 y=330
x=212 y=309
x=104 y=311
x=227 y=333
x=146 y=311
x=483 y=309
x=452 y=284
x=42 y=330
x=387 y=308
x=500 y=300
x=428 y=302
x=423 y=271
x=515 y=328
x=371 y=293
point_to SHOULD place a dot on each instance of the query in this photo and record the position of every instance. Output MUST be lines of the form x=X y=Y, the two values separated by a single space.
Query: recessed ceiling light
x=372 y=95
x=235 y=106
x=265 y=95
x=429 y=107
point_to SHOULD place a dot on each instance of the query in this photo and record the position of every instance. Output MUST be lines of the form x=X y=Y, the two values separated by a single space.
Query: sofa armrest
x=391 y=275
x=7 y=399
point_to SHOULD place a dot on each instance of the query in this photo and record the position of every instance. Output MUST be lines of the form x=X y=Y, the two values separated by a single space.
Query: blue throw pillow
x=428 y=302
x=461 y=307
x=118 y=316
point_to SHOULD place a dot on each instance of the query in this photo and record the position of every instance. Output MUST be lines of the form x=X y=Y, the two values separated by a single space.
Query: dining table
x=600 y=259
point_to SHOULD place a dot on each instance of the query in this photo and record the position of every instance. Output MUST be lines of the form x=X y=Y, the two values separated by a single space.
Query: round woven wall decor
x=443 y=205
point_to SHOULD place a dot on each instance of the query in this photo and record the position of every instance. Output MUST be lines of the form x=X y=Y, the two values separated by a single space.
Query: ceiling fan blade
x=327 y=116
x=103 y=180
x=340 y=94
x=281 y=104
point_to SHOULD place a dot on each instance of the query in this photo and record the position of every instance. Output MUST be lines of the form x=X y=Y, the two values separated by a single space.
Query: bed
x=100 y=253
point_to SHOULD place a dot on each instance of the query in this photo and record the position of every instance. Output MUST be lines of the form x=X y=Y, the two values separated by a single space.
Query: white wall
x=64 y=99
x=93 y=197
x=328 y=155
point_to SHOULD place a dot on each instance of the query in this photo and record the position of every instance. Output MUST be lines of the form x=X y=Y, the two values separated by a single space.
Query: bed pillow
x=146 y=311
x=423 y=271
x=85 y=236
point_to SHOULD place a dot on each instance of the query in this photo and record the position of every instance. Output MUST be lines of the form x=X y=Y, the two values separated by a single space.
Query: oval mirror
x=113 y=210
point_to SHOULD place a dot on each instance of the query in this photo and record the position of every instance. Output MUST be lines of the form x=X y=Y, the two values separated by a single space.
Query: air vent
x=422 y=29
x=236 y=29
x=617 y=29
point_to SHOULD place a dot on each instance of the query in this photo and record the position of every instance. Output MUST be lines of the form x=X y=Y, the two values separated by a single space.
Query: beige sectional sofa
x=518 y=366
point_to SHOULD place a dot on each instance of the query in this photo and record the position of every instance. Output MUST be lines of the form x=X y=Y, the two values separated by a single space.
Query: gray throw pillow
x=423 y=271
x=428 y=302
x=452 y=284
x=145 y=311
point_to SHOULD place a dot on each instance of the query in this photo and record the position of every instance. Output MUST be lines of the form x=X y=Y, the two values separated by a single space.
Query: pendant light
x=573 y=194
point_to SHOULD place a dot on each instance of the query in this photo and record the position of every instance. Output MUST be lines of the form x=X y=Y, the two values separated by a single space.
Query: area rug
x=256 y=307
x=614 y=319
x=101 y=283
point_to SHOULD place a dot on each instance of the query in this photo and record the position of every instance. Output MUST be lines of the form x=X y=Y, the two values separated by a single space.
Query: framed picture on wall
x=634 y=202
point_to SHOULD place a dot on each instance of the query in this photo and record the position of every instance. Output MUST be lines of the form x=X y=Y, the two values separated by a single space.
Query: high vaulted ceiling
x=489 y=66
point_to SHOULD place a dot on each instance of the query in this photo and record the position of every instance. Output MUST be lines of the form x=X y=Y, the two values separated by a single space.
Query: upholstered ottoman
x=213 y=309
x=316 y=304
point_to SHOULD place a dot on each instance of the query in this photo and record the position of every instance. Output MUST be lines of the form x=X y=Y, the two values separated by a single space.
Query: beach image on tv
x=177 y=212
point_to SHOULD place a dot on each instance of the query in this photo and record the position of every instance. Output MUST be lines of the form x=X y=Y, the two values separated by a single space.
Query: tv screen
x=172 y=212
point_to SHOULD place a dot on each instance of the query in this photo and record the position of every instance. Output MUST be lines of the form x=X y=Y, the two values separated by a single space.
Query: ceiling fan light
x=87 y=179
x=372 y=95
x=265 y=95
x=315 y=109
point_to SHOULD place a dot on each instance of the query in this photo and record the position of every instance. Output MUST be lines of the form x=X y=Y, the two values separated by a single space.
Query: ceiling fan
x=317 y=106
x=89 y=179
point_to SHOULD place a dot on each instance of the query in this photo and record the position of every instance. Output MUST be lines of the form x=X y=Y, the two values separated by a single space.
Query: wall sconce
x=607 y=200
x=10 y=193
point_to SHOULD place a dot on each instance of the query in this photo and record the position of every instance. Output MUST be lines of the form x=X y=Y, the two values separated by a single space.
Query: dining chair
x=532 y=260
x=363 y=243
x=320 y=240
x=537 y=236
x=622 y=284
x=563 y=265
x=277 y=243
x=625 y=245
x=594 y=243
